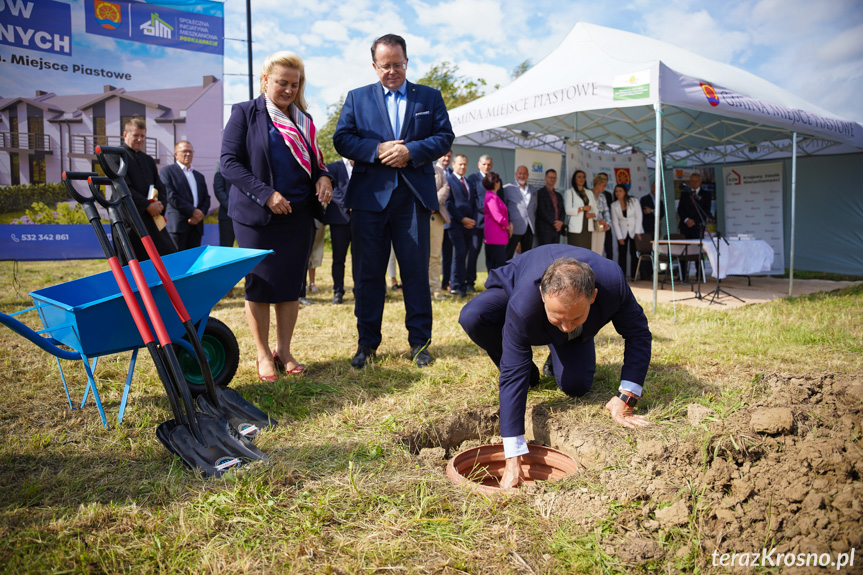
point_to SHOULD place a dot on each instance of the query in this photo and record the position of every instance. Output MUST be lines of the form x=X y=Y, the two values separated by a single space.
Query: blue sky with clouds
x=814 y=49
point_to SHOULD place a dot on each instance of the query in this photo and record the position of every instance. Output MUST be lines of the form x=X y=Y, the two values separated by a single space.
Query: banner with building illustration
x=753 y=206
x=74 y=71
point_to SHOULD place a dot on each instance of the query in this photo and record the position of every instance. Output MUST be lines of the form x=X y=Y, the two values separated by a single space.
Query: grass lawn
x=756 y=443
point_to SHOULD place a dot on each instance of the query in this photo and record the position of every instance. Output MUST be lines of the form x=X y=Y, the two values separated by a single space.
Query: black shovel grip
x=87 y=203
x=69 y=177
x=113 y=160
x=96 y=182
x=123 y=196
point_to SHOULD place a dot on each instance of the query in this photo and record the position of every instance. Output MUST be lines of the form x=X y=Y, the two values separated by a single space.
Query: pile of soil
x=784 y=471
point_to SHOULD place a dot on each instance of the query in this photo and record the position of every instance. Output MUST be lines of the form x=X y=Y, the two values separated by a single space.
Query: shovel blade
x=239 y=412
x=223 y=447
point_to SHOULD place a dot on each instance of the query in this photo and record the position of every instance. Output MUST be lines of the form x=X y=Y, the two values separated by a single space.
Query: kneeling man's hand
x=512 y=473
x=624 y=414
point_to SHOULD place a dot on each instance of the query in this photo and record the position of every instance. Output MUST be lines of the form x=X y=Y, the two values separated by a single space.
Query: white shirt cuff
x=630 y=387
x=514 y=446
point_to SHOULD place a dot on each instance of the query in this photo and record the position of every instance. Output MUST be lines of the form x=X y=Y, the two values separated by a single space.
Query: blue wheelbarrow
x=90 y=316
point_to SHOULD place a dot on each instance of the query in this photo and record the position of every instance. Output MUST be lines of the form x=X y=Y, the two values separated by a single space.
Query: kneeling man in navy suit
x=559 y=296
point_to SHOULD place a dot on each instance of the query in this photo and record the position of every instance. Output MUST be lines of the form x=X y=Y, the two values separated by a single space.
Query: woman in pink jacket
x=497 y=226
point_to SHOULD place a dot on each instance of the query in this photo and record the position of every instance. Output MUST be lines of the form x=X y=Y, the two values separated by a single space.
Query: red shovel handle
x=173 y=294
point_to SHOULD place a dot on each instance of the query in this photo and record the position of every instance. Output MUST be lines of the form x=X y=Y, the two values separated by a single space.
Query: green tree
x=456 y=90
x=326 y=132
x=522 y=68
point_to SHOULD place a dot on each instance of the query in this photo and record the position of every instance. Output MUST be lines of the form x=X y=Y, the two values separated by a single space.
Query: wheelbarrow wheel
x=223 y=353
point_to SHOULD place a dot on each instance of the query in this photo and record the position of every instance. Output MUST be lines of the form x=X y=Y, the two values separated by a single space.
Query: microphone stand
x=716 y=244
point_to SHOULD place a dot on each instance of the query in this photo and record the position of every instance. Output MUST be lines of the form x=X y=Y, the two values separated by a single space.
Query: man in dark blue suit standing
x=461 y=205
x=393 y=130
x=559 y=296
x=188 y=199
x=339 y=220
x=692 y=219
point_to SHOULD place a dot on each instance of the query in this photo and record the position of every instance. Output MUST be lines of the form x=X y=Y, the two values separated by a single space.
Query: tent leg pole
x=657 y=187
x=793 y=206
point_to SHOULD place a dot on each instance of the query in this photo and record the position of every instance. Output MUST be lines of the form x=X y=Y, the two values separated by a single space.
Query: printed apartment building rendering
x=43 y=135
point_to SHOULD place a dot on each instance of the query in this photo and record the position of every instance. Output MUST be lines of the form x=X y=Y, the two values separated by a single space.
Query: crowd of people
x=400 y=195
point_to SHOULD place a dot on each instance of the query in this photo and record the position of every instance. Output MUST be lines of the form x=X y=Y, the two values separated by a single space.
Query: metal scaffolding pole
x=793 y=209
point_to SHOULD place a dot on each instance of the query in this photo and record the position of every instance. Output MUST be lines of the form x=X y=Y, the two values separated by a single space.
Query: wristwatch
x=629 y=400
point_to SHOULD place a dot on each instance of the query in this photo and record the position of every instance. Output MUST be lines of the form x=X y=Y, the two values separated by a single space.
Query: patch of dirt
x=477 y=426
x=787 y=468
x=783 y=471
x=586 y=445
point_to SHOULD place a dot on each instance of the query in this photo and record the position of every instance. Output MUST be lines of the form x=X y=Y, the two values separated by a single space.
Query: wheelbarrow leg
x=93 y=370
x=128 y=384
x=63 y=379
x=91 y=382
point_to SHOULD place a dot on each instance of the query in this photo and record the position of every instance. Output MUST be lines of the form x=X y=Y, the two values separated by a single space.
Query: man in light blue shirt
x=394 y=131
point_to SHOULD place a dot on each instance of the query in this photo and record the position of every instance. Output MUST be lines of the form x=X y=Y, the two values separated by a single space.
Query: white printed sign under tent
x=753 y=207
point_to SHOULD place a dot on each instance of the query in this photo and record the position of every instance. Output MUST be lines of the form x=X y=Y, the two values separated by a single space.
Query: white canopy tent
x=604 y=87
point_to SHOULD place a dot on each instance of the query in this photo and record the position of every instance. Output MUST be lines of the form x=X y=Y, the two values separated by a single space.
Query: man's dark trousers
x=340 y=237
x=404 y=225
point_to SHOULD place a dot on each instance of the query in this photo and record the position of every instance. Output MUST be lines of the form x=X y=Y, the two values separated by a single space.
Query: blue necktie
x=393 y=109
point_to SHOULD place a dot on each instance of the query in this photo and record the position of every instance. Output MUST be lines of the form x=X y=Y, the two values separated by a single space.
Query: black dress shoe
x=534 y=376
x=548 y=367
x=421 y=356
x=338 y=297
x=364 y=355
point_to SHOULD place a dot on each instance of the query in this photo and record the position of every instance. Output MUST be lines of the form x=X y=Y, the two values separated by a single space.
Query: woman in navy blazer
x=271 y=158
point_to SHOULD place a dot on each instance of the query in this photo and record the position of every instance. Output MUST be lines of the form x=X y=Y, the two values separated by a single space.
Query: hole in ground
x=480 y=426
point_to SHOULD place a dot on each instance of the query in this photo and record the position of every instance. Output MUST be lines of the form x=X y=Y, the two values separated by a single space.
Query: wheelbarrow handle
x=34 y=337
x=113 y=160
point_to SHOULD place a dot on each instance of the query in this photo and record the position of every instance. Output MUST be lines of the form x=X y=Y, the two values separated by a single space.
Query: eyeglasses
x=390 y=67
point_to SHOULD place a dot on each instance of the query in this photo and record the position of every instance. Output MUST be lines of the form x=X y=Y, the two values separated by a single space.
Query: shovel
x=219 y=401
x=200 y=440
